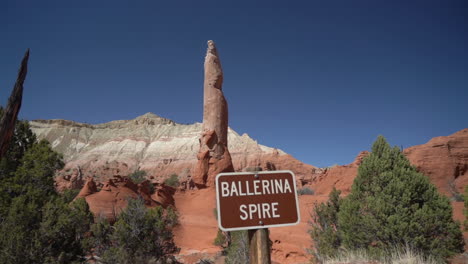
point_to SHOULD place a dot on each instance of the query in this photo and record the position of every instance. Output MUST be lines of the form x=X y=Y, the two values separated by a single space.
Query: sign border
x=253 y=173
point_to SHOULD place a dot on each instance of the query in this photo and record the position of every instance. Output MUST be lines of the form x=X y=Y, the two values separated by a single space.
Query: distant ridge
x=152 y=143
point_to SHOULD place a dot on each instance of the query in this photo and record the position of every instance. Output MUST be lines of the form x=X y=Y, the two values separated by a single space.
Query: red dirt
x=198 y=228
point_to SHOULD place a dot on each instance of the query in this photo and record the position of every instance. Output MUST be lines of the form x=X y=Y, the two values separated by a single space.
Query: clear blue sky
x=318 y=79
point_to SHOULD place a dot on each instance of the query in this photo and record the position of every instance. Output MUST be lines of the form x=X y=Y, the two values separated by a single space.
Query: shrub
x=138 y=176
x=139 y=235
x=238 y=250
x=221 y=239
x=172 y=181
x=396 y=255
x=305 y=191
x=324 y=226
x=466 y=207
x=391 y=203
x=69 y=195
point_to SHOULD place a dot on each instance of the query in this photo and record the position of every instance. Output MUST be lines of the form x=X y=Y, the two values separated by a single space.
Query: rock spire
x=213 y=156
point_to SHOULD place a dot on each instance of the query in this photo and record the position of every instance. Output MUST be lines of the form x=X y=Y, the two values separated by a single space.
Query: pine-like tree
x=140 y=235
x=392 y=204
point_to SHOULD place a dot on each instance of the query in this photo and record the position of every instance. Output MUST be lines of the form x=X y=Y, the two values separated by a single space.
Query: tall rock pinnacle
x=213 y=156
x=7 y=122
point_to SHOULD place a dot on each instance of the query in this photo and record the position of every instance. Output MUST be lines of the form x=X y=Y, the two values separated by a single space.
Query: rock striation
x=213 y=156
x=155 y=144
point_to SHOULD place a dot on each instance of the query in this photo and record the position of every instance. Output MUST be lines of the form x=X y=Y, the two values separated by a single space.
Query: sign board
x=252 y=200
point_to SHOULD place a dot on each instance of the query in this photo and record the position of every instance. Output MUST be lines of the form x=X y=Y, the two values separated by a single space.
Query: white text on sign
x=260 y=187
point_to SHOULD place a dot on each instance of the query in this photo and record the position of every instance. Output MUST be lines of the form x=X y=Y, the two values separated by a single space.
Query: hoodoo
x=213 y=156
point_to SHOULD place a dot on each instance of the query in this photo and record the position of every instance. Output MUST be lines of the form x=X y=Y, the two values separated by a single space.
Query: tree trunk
x=10 y=115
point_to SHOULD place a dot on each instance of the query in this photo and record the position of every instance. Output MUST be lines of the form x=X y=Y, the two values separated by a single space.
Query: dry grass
x=395 y=256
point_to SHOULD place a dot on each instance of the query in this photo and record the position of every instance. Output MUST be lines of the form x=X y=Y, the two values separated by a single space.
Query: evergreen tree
x=37 y=225
x=140 y=235
x=23 y=138
x=61 y=234
x=392 y=204
x=324 y=231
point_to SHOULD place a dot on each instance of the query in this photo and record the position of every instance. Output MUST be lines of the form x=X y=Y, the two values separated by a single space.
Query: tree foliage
x=392 y=204
x=324 y=226
x=138 y=176
x=37 y=225
x=172 y=181
x=139 y=235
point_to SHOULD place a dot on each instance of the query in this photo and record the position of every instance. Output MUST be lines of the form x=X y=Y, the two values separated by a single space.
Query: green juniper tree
x=140 y=235
x=37 y=225
x=392 y=204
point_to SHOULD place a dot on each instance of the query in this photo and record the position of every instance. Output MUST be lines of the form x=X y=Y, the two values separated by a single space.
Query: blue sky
x=318 y=79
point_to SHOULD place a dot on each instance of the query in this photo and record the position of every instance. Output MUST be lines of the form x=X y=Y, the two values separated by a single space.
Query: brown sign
x=251 y=200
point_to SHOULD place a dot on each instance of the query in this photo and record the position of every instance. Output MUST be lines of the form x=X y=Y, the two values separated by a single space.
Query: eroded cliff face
x=149 y=142
x=444 y=160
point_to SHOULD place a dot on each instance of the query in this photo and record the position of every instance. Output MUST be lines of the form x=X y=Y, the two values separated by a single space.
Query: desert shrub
x=140 y=235
x=395 y=255
x=220 y=239
x=324 y=227
x=138 y=176
x=61 y=234
x=465 y=211
x=238 y=250
x=172 y=181
x=305 y=191
x=391 y=203
x=458 y=197
x=69 y=195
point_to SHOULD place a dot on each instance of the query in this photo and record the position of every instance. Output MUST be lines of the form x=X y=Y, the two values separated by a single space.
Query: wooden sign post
x=259 y=248
x=255 y=201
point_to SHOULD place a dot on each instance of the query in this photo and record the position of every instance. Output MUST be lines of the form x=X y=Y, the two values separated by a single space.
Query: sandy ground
x=198 y=226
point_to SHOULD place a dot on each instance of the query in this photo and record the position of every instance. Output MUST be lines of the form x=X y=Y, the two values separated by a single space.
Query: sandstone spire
x=7 y=123
x=213 y=156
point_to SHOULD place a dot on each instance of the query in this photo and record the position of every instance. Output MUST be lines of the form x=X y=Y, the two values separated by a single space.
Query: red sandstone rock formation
x=213 y=156
x=341 y=177
x=7 y=123
x=114 y=195
x=444 y=160
x=88 y=188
